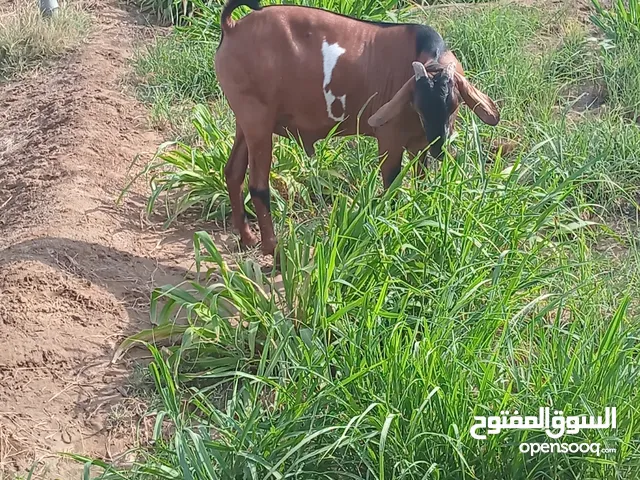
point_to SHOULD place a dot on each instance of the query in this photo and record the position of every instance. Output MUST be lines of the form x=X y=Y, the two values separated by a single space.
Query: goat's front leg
x=392 y=164
x=422 y=165
x=235 y=171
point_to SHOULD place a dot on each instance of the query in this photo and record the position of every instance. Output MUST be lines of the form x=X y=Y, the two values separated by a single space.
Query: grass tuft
x=27 y=39
x=621 y=22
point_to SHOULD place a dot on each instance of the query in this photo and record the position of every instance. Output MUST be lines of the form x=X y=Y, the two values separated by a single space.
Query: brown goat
x=301 y=70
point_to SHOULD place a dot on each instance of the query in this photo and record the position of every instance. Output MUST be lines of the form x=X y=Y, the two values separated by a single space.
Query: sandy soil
x=76 y=270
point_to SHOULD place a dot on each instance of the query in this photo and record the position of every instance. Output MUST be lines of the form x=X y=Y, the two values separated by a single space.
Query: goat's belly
x=305 y=138
x=316 y=125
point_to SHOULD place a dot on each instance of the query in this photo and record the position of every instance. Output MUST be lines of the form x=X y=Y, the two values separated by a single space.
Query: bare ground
x=76 y=270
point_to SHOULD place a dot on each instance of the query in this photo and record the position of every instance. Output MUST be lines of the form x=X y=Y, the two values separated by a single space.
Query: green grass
x=621 y=75
x=498 y=282
x=621 y=23
x=474 y=293
x=180 y=12
x=174 y=73
x=167 y=11
x=27 y=39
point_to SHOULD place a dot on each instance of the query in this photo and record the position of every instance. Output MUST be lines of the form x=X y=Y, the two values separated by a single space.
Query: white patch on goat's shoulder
x=330 y=55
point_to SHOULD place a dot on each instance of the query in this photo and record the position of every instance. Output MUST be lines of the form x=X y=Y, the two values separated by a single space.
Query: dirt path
x=75 y=270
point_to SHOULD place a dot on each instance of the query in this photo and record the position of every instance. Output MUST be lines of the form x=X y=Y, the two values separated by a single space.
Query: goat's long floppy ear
x=393 y=107
x=478 y=102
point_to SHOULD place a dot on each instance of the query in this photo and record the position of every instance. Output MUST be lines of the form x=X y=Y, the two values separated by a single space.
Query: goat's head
x=435 y=92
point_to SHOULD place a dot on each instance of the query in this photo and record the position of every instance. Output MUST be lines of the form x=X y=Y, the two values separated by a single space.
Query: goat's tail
x=225 y=18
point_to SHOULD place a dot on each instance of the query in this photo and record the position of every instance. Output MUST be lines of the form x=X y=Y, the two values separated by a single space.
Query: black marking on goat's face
x=435 y=101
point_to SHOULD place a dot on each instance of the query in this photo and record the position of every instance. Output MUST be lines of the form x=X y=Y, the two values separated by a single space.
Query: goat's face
x=436 y=100
x=435 y=92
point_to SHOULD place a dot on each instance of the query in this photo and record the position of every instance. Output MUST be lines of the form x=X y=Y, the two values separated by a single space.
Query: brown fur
x=270 y=67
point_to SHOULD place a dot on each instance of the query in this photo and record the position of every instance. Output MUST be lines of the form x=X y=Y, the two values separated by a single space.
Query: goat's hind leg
x=257 y=122
x=235 y=171
x=260 y=147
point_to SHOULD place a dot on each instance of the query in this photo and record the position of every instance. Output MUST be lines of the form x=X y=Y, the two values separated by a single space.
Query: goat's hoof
x=248 y=240
x=269 y=247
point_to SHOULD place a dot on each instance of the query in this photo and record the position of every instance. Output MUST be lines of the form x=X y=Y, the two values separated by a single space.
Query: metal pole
x=49 y=8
